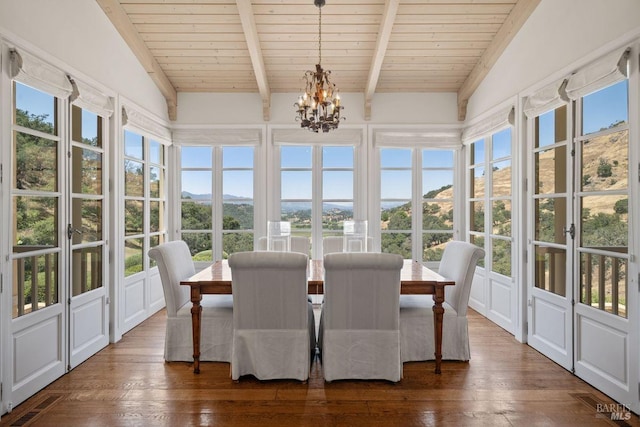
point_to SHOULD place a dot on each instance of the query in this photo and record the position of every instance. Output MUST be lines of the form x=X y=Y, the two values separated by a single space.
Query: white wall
x=78 y=34
x=558 y=33
x=387 y=108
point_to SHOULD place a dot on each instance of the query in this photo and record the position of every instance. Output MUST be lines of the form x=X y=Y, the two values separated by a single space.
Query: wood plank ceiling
x=266 y=46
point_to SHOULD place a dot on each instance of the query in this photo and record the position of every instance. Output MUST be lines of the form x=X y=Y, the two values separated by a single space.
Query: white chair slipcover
x=299 y=244
x=175 y=264
x=359 y=328
x=274 y=328
x=416 y=311
x=333 y=244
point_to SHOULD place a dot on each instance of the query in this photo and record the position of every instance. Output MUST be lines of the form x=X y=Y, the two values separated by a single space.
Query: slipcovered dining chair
x=299 y=244
x=359 y=334
x=416 y=311
x=274 y=328
x=175 y=264
x=333 y=244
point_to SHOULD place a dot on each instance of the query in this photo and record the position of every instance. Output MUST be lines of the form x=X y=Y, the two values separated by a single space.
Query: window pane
x=133 y=217
x=237 y=216
x=551 y=269
x=477 y=183
x=155 y=216
x=35 y=110
x=86 y=171
x=501 y=219
x=479 y=242
x=155 y=182
x=337 y=157
x=550 y=170
x=551 y=127
x=87 y=270
x=133 y=145
x=605 y=162
x=501 y=256
x=153 y=242
x=196 y=185
x=36 y=163
x=199 y=245
x=433 y=245
x=395 y=184
x=395 y=158
x=196 y=215
x=296 y=185
x=87 y=217
x=36 y=222
x=196 y=157
x=86 y=127
x=501 y=144
x=237 y=157
x=437 y=216
x=337 y=185
x=437 y=184
x=35 y=291
x=236 y=242
x=156 y=152
x=437 y=158
x=550 y=220
x=133 y=178
x=501 y=178
x=133 y=255
x=605 y=108
x=477 y=152
x=397 y=243
x=397 y=218
x=237 y=184
x=295 y=157
x=477 y=217
x=605 y=222
x=334 y=215
x=603 y=283
x=298 y=213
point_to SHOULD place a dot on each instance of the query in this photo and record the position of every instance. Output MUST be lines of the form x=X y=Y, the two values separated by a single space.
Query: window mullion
x=217 y=203
x=316 y=201
x=416 y=223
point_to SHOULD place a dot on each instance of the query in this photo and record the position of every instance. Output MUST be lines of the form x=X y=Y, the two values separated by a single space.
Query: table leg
x=196 y=314
x=438 y=314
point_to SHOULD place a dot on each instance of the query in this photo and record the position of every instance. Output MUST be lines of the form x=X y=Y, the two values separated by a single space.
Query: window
x=217 y=200
x=144 y=198
x=412 y=177
x=490 y=199
x=317 y=189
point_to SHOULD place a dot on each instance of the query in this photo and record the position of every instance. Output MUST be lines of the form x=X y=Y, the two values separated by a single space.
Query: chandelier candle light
x=319 y=106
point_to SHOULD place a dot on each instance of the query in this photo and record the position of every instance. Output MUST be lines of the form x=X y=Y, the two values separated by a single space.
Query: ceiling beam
x=125 y=27
x=384 y=34
x=518 y=16
x=250 y=29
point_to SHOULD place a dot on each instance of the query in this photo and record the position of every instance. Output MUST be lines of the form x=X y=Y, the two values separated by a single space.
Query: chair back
x=269 y=290
x=459 y=264
x=333 y=244
x=299 y=244
x=362 y=291
x=174 y=264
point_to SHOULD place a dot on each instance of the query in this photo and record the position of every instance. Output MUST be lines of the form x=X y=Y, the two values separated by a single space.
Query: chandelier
x=319 y=106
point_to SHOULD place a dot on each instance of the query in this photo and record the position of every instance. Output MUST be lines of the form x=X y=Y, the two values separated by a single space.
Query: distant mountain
x=187 y=195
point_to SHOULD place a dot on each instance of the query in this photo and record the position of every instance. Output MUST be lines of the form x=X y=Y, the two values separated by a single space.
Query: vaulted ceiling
x=266 y=46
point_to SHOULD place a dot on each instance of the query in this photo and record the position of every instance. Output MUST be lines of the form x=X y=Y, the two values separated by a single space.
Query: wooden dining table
x=415 y=279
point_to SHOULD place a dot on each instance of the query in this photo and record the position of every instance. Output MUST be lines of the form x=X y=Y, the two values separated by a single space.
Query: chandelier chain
x=320 y=36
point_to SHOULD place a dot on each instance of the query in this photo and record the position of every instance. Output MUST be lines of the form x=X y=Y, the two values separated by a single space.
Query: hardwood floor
x=129 y=384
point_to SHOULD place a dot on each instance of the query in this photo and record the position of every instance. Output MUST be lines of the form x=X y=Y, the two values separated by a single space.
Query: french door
x=59 y=313
x=579 y=264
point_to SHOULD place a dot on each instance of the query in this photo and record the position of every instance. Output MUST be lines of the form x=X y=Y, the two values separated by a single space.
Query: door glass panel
x=199 y=245
x=196 y=184
x=605 y=161
x=501 y=218
x=604 y=283
x=477 y=152
x=34 y=109
x=237 y=216
x=551 y=127
x=296 y=185
x=550 y=169
x=295 y=157
x=437 y=216
x=397 y=243
x=87 y=220
x=133 y=178
x=133 y=146
x=86 y=127
x=133 y=256
x=133 y=217
x=479 y=242
x=299 y=214
x=605 y=108
x=550 y=269
x=36 y=222
x=86 y=171
x=196 y=215
x=337 y=185
x=156 y=152
x=477 y=183
x=433 y=245
x=334 y=215
x=436 y=182
x=86 y=264
x=337 y=157
x=196 y=157
x=604 y=222
x=477 y=216
x=236 y=242
x=36 y=163
x=501 y=256
x=501 y=178
x=550 y=219
x=153 y=242
x=395 y=184
x=154 y=216
x=35 y=283
x=155 y=182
